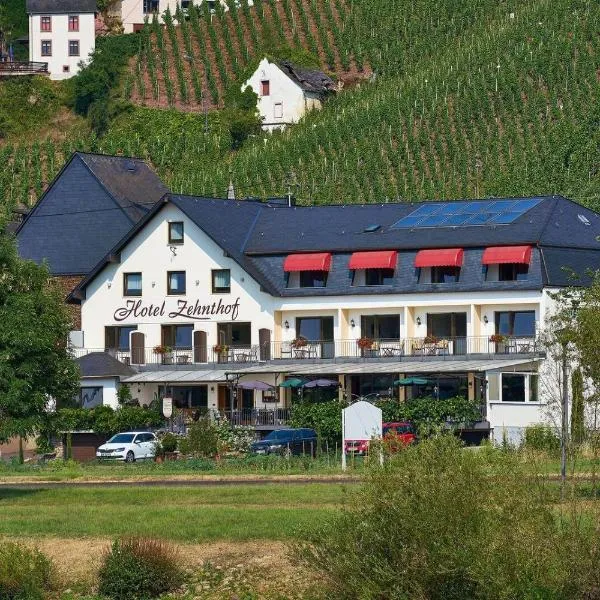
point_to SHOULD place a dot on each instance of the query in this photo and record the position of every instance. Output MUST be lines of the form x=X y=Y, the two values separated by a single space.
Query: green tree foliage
x=13 y=25
x=324 y=417
x=438 y=522
x=577 y=407
x=34 y=362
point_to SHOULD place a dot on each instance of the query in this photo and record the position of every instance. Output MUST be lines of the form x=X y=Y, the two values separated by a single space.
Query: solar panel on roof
x=456 y=214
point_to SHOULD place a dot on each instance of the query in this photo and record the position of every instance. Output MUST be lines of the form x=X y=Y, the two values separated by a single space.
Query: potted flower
x=500 y=341
x=221 y=350
x=299 y=342
x=431 y=339
x=166 y=352
x=365 y=344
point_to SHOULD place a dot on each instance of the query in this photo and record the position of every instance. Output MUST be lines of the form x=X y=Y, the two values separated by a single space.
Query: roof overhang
x=176 y=377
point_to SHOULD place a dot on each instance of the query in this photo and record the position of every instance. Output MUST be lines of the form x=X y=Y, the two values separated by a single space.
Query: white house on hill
x=286 y=92
x=62 y=33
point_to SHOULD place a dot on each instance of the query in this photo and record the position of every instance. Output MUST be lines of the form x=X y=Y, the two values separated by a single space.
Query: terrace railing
x=411 y=348
x=23 y=68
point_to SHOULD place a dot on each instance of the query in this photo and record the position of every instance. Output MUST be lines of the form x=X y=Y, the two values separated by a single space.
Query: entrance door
x=450 y=326
x=224 y=403
x=200 y=347
x=137 y=348
x=264 y=339
x=317 y=330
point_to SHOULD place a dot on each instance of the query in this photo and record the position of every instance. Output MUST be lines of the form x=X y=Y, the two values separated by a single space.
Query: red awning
x=373 y=260
x=307 y=262
x=443 y=257
x=496 y=255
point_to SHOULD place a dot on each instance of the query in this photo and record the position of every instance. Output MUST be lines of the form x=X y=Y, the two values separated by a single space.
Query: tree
x=577 y=407
x=35 y=365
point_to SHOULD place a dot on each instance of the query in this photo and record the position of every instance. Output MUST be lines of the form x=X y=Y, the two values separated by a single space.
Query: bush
x=541 y=438
x=202 y=439
x=139 y=569
x=324 y=417
x=168 y=442
x=25 y=574
x=440 y=522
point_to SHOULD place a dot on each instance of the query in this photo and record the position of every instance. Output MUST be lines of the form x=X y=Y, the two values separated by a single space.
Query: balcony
x=9 y=69
x=228 y=357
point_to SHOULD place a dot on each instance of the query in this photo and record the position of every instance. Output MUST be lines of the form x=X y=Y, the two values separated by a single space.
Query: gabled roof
x=102 y=364
x=310 y=80
x=48 y=7
x=91 y=204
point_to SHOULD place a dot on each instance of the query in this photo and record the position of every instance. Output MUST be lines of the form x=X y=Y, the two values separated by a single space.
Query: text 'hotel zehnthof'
x=190 y=297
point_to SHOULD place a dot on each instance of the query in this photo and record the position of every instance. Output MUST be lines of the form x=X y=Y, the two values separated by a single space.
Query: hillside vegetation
x=476 y=98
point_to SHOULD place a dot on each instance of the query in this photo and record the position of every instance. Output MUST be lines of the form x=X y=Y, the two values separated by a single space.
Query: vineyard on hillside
x=476 y=100
x=192 y=61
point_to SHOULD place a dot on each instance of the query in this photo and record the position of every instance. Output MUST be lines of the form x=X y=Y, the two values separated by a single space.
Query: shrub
x=201 y=440
x=324 y=417
x=437 y=521
x=541 y=438
x=169 y=442
x=25 y=574
x=139 y=569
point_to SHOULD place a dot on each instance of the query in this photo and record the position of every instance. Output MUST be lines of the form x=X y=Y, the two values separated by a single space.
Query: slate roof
x=258 y=236
x=92 y=203
x=310 y=80
x=102 y=364
x=48 y=7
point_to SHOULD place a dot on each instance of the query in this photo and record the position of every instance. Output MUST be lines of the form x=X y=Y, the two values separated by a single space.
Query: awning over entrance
x=374 y=260
x=307 y=262
x=496 y=255
x=198 y=376
x=441 y=257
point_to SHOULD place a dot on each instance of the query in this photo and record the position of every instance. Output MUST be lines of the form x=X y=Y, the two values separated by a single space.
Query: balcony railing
x=23 y=68
x=399 y=349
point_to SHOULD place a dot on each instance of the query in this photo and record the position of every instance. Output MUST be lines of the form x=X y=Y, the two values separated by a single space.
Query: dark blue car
x=287 y=442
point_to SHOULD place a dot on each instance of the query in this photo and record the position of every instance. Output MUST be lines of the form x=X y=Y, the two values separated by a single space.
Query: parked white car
x=129 y=446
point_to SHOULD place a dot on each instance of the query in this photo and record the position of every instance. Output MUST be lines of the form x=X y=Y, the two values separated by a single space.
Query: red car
x=395 y=436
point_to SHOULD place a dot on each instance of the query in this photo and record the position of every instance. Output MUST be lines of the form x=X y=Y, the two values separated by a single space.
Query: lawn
x=182 y=514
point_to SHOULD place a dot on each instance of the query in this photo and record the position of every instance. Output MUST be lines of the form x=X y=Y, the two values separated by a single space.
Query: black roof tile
x=102 y=364
x=61 y=6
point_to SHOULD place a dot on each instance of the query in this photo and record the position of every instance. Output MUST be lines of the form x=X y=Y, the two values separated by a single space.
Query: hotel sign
x=136 y=309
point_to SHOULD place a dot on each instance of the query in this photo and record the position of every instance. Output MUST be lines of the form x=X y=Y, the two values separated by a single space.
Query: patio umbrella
x=294 y=382
x=321 y=383
x=255 y=385
x=411 y=381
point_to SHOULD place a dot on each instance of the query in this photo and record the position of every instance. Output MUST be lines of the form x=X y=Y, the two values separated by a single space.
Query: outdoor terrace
x=10 y=69
x=405 y=349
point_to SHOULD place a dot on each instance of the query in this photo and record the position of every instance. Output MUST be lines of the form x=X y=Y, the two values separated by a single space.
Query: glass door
x=449 y=326
x=317 y=330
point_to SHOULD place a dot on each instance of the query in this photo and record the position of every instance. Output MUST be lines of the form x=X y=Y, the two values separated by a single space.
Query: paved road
x=33 y=485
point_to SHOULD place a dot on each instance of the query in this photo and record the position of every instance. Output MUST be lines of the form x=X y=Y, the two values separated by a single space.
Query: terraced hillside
x=191 y=62
x=479 y=99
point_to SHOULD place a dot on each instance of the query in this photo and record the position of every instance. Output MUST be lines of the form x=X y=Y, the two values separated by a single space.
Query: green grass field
x=183 y=514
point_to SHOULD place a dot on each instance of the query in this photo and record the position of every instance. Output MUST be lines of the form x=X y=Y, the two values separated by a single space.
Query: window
x=66 y=69
x=73 y=47
x=444 y=274
x=46 y=48
x=519 y=387
x=233 y=334
x=265 y=88
x=176 y=282
x=150 y=6
x=512 y=272
x=278 y=110
x=132 y=284
x=177 y=336
x=90 y=397
x=73 y=23
x=379 y=276
x=190 y=397
x=380 y=327
x=45 y=23
x=515 y=323
x=221 y=281
x=176 y=232
x=117 y=338
x=313 y=279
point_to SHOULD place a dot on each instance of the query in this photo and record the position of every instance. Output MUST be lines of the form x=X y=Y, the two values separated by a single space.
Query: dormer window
x=506 y=263
x=373 y=268
x=307 y=270
x=439 y=266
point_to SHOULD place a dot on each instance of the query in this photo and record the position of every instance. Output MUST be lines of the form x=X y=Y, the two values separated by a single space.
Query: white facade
x=61 y=40
x=281 y=101
x=99 y=391
x=151 y=254
x=134 y=12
